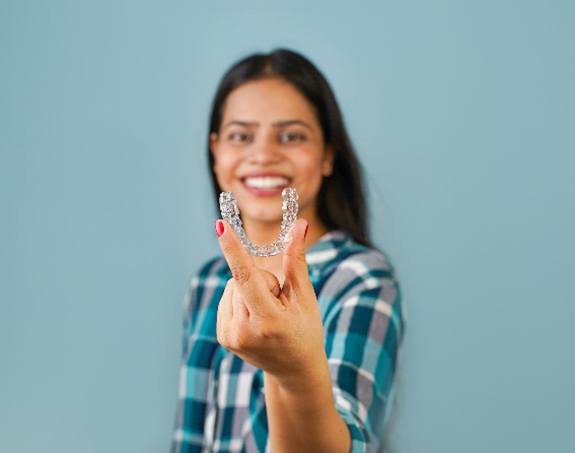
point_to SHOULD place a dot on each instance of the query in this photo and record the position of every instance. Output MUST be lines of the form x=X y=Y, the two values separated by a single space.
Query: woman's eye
x=238 y=137
x=291 y=137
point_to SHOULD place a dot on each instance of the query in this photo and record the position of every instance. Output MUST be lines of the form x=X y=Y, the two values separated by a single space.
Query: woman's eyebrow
x=281 y=123
x=290 y=122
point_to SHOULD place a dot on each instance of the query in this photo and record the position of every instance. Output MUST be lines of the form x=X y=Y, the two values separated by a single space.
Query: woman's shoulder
x=359 y=269
x=351 y=257
x=361 y=276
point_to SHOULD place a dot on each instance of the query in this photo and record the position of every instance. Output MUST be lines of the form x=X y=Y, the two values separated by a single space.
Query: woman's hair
x=341 y=200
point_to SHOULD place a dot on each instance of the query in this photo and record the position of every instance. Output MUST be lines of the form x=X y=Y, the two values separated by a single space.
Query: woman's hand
x=275 y=328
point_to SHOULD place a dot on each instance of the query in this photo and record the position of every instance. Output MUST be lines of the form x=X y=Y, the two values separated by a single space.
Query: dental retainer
x=231 y=214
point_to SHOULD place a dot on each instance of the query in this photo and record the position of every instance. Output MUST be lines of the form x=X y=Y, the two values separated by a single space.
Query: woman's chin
x=266 y=220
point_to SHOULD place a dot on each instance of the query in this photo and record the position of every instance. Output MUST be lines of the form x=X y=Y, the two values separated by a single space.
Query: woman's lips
x=263 y=192
x=259 y=191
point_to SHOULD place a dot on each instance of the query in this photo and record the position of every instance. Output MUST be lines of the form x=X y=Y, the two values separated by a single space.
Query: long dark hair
x=341 y=199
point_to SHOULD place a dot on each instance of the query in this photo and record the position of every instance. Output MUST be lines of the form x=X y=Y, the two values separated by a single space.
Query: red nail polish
x=219 y=227
x=305 y=232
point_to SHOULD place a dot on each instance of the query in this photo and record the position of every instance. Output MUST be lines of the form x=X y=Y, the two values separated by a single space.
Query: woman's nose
x=264 y=149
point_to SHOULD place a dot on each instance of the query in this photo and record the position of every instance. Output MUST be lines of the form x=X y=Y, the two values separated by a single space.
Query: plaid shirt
x=221 y=404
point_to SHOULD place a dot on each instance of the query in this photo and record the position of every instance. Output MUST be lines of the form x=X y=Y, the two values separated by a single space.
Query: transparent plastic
x=231 y=214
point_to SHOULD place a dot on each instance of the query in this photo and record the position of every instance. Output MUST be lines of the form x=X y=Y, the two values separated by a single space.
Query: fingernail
x=305 y=232
x=219 y=227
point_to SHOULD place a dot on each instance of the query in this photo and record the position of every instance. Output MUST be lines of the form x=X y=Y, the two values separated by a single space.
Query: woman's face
x=270 y=138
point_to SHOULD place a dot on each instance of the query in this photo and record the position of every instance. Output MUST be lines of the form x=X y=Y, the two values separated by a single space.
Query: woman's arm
x=302 y=414
x=363 y=327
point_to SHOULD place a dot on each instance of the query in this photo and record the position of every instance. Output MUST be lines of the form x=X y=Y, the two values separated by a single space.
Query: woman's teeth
x=266 y=182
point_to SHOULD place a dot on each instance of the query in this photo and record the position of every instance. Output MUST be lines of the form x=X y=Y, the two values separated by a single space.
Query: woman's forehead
x=264 y=102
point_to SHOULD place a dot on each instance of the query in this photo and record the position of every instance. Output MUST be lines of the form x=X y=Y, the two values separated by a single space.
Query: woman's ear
x=327 y=164
x=213 y=141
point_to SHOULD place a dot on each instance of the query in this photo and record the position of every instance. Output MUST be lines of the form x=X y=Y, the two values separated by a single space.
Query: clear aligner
x=231 y=214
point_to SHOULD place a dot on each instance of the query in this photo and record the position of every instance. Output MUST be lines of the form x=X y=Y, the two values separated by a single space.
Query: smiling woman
x=271 y=138
x=297 y=351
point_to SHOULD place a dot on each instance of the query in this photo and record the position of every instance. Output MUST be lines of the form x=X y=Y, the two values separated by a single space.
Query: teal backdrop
x=463 y=116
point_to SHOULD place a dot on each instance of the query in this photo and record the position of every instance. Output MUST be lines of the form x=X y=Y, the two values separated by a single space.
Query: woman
x=296 y=352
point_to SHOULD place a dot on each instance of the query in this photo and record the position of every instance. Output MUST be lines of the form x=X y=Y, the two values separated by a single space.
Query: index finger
x=240 y=262
x=255 y=290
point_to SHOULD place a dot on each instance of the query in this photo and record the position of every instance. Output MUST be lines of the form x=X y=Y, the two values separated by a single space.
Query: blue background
x=462 y=113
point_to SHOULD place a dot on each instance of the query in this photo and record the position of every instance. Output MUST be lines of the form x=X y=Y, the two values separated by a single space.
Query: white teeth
x=266 y=182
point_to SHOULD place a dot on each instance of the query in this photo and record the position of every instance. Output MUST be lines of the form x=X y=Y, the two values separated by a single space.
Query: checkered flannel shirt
x=221 y=405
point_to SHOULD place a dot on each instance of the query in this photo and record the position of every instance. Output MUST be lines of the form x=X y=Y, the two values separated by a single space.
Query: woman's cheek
x=226 y=165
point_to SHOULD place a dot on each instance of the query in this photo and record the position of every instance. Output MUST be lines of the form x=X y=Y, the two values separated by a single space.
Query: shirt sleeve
x=363 y=329
x=179 y=441
x=207 y=275
x=184 y=438
x=189 y=296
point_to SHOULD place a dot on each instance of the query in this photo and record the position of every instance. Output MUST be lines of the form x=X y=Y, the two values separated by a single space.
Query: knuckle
x=221 y=337
x=296 y=253
x=268 y=333
x=227 y=247
x=240 y=273
x=276 y=289
x=240 y=341
x=272 y=282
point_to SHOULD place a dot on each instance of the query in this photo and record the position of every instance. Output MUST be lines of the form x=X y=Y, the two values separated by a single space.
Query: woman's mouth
x=265 y=186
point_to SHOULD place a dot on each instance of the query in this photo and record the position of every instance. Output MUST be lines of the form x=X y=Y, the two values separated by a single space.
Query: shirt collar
x=325 y=250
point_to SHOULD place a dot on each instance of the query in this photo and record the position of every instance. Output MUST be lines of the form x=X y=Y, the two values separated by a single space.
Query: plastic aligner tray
x=231 y=214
